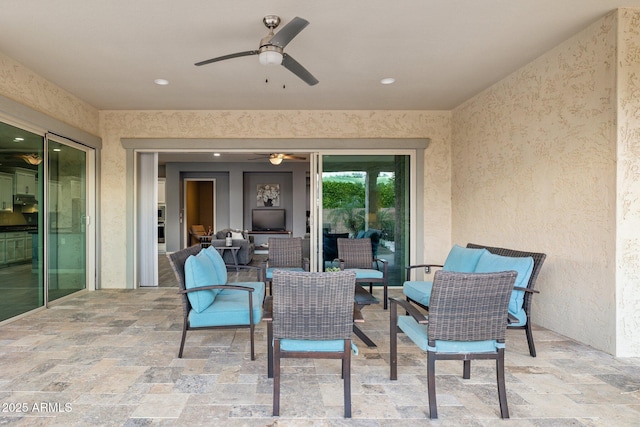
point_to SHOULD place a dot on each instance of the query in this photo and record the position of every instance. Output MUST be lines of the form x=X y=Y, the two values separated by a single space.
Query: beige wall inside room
x=537 y=165
x=547 y=159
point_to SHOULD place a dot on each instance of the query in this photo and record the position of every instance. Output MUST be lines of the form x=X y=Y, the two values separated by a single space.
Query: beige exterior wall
x=628 y=186
x=22 y=85
x=116 y=125
x=536 y=167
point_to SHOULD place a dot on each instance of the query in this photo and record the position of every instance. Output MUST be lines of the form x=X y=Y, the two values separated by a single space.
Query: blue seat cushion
x=463 y=260
x=315 y=345
x=270 y=270
x=366 y=273
x=418 y=291
x=199 y=271
x=218 y=263
x=418 y=334
x=231 y=307
x=490 y=263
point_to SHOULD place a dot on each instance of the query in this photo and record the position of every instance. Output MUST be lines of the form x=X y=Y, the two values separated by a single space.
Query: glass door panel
x=21 y=183
x=367 y=196
x=67 y=215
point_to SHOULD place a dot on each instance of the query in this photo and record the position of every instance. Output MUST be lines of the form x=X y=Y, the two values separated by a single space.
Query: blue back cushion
x=199 y=271
x=490 y=263
x=463 y=260
x=218 y=263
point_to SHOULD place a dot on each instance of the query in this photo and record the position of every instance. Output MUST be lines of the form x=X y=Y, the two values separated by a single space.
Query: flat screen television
x=268 y=220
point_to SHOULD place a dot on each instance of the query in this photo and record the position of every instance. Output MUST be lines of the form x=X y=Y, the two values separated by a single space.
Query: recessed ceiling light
x=57 y=149
x=216 y=154
x=161 y=82
x=388 y=81
x=18 y=139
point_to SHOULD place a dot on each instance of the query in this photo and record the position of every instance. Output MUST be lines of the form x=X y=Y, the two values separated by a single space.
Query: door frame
x=184 y=206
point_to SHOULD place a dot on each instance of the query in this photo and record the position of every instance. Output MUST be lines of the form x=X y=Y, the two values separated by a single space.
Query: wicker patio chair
x=467 y=320
x=284 y=253
x=313 y=319
x=357 y=255
x=225 y=313
x=418 y=291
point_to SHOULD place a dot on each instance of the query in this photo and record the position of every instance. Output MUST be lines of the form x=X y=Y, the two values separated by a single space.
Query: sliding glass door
x=367 y=196
x=21 y=190
x=69 y=238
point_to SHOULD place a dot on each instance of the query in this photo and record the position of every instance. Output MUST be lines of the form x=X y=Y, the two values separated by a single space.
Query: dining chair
x=357 y=255
x=467 y=320
x=284 y=253
x=313 y=319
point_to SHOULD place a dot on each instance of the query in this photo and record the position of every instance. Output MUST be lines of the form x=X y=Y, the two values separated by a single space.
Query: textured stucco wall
x=628 y=181
x=116 y=125
x=534 y=168
x=24 y=86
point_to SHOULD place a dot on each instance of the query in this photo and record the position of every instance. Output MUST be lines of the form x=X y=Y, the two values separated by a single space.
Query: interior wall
x=284 y=180
x=534 y=168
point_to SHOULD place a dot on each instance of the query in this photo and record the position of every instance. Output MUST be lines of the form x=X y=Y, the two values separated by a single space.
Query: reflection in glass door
x=367 y=196
x=21 y=171
x=67 y=207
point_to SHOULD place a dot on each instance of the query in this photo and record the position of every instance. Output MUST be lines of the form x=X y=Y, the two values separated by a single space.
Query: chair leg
x=386 y=294
x=529 y=332
x=270 y=350
x=276 y=378
x=431 y=381
x=466 y=370
x=346 y=375
x=393 y=344
x=252 y=329
x=184 y=337
x=502 y=390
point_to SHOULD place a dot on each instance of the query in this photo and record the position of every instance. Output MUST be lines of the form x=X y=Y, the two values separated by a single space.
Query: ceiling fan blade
x=292 y=157
x=288 y=32
x=230 y=56
x=294 y=66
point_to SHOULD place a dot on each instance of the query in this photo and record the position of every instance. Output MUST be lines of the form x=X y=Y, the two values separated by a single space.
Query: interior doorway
x=199 y=206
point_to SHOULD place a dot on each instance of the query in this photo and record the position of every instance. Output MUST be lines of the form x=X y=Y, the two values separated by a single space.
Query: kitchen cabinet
x=25 y=182
x=15 y=247
x=6 y=192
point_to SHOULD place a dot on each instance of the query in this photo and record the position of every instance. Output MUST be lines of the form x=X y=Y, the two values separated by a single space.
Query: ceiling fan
x=271 y=50
x=277 y=158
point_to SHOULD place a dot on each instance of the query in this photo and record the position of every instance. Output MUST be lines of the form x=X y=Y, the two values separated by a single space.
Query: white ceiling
x=442 y=52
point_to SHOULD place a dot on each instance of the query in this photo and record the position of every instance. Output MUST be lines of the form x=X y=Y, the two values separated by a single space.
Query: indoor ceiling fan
x=271 y=50
x=277 y=158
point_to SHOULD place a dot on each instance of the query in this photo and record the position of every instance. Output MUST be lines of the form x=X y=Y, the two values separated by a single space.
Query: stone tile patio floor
x=109 y=358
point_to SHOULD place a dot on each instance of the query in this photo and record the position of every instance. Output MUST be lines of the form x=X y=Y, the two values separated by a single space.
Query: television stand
x=269 y=232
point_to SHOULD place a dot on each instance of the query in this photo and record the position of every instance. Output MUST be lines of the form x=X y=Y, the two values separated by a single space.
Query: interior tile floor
x=109 y=358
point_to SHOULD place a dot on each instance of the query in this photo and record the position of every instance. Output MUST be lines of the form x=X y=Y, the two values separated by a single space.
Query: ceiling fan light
x=270 y=57
x=275 y=160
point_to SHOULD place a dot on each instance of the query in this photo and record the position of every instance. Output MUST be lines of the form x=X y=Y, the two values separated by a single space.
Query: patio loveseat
x=486 y=259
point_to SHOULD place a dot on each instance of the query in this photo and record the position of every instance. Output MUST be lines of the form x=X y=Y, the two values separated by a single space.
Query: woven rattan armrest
x=427 y=268
x=204 y=288
x=411 y=310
